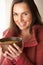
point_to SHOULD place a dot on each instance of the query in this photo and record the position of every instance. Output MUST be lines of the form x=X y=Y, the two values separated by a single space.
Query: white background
x=5 y=6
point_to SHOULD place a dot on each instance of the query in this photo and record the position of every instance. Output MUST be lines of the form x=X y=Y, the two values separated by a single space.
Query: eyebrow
x=23 y=12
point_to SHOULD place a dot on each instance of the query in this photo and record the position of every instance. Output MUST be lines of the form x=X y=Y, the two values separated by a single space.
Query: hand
x=1 y=54
x=13 y=52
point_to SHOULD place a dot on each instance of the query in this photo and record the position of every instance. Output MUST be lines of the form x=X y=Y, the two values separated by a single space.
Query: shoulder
x=39 y=32
x=8 y=33
x=38 y=27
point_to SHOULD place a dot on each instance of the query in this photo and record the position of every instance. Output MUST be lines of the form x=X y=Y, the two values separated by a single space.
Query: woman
x=25 y=23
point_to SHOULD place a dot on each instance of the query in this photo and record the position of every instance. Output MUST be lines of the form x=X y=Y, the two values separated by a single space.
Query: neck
x=26 y=35
x=26 y=32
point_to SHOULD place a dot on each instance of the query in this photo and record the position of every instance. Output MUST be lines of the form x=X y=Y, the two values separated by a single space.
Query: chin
x=22 y=28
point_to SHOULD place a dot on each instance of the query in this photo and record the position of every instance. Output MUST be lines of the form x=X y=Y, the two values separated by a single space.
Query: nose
x=20 y=18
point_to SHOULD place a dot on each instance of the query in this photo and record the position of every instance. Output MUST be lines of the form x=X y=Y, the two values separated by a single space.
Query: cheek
x=28 y=19
x=15 y=18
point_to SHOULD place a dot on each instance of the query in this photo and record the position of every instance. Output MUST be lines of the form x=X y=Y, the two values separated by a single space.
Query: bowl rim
x=6 y=39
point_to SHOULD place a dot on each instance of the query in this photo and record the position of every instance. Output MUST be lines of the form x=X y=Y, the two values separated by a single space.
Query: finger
x=16 y=54
x=0 y=49
x=1 y=53
x=18 y=48
x=11 y=49
x=8 y=57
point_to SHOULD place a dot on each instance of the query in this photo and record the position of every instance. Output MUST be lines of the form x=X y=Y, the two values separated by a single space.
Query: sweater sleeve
x=6 y=62
x=23 y=60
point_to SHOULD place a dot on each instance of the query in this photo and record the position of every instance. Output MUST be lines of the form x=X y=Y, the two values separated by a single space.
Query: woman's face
x=22 y=15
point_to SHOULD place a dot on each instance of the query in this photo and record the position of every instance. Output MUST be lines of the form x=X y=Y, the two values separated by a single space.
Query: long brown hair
x=35 y=13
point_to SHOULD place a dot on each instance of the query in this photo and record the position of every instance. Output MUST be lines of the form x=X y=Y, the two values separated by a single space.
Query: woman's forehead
x=21 y=7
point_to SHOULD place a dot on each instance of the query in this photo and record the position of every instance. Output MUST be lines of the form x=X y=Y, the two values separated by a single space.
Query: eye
x=24 y=13
x=15 y=14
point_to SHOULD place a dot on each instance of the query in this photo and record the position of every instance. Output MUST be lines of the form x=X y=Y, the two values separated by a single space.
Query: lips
x=22 y=24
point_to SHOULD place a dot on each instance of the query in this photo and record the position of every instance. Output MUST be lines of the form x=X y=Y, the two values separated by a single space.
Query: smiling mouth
x=22 y=24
